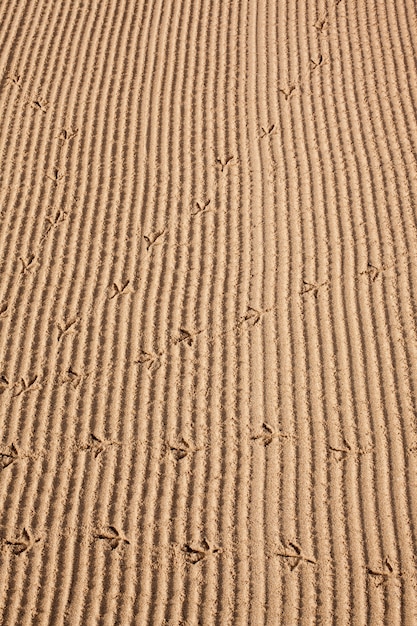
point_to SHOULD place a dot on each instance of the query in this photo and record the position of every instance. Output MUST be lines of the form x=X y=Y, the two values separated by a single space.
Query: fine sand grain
x=208 y=332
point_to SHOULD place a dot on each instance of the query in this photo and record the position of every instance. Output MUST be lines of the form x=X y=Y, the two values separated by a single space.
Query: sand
x=208 y=333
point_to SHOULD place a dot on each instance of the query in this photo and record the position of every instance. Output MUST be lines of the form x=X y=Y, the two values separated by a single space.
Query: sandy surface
x=208 y=334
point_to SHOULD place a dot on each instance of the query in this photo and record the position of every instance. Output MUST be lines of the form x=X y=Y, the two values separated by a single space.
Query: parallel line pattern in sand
x=208 y=332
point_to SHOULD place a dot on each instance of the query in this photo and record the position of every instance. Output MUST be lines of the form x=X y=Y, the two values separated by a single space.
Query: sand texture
x=208 y=331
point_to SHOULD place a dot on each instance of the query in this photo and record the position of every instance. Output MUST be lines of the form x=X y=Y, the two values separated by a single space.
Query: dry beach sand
x=208 y=332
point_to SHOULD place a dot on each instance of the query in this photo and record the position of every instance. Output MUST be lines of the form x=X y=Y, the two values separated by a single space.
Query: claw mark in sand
x=387 y=573
x=4 y=383
x=341 y=454
x=113 y=538
x=72 y=377
x=97 y=445
x=317 y=63
x=223 y=163
x=197 y=554
x=65 y=329
x=56 y=176
x=152 y=238
x=27 y=263
x=187 y=337
x=39 y=105
x=321 y=24
x=253 y=316
x=23 y=543
x=202 y=208
x=14 y=79
x=374 y=272
x=268 y=434
x=120 y=289
x=67 y=134
x=8 y=457
x=150 y=359
x=26 y=385
x=294 y=556
x=313 y=287
x=288 y=92
x=268 y=131
x=54 y=220
x=181 y=449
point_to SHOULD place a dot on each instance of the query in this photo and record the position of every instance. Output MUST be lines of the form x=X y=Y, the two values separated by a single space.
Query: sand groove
x=208 y=331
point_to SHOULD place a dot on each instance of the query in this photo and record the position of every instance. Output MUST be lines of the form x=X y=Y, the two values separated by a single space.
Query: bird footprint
x=113 y=538
x=23 y=543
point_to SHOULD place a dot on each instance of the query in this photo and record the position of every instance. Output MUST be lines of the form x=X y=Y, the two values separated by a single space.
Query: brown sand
x=208 y=325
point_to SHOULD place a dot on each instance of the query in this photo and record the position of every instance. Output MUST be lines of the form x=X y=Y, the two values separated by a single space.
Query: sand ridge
x=207 y=312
